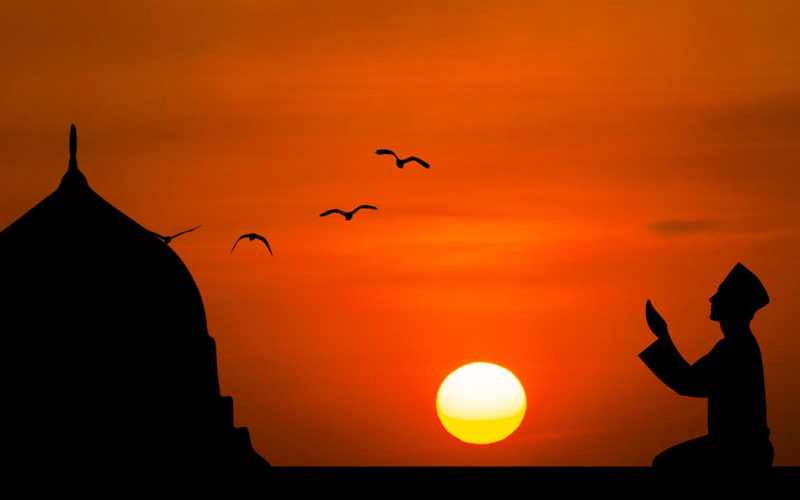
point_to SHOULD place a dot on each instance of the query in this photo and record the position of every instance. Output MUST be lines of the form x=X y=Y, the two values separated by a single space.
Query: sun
x=481 y=403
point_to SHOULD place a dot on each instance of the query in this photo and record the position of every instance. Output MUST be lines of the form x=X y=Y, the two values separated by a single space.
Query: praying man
x=731 y=376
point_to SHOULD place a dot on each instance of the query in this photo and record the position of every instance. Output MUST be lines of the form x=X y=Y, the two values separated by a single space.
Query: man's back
x=737 y=405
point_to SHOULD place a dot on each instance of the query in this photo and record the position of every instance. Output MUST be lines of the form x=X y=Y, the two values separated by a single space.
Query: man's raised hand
x=655 y=321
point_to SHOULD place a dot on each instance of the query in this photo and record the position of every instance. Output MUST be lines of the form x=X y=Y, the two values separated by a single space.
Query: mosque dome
x=108 y=354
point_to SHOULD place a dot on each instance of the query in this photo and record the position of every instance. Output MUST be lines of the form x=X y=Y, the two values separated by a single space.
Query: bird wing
x=386 y=152
x=364 y=206
x=184 y=232
x=332 y=211
x=418 y=160
x=261 y=238
x=237 y=241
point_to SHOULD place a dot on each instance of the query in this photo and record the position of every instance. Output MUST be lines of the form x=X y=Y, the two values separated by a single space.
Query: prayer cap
x=743 y=286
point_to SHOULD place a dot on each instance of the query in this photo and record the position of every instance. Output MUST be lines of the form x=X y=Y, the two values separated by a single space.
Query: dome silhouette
x=109 y=359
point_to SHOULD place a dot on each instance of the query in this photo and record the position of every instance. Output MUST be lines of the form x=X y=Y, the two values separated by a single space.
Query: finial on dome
x=73 y=146
x=73 y=175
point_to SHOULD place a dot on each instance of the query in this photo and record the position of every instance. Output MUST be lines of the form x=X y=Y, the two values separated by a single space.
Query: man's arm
x=667 y=364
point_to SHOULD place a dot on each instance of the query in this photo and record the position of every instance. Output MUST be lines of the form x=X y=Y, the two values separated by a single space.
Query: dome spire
x=73 y=147
x=73 y=175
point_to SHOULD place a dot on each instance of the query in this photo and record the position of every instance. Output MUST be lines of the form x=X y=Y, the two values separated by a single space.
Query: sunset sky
x=585 y=157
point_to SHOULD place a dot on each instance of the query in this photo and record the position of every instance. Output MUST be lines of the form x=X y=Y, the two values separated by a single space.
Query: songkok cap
x=745 y=288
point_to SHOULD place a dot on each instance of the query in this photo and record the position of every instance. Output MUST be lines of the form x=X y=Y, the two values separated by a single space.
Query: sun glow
x=481 y=403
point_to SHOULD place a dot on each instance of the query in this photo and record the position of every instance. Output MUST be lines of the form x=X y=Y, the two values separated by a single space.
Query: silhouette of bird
x=400 y=162
x=347 y=215
x=167 y=239
x=251 y=237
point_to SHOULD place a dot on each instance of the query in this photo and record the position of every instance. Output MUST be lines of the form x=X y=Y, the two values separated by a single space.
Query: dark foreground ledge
x=541 y=482
x=416 y=483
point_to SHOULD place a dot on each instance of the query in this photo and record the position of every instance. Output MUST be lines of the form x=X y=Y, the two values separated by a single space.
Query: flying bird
x=400 y=162
x=167 y=239
x=251 y=237
x=347 y=215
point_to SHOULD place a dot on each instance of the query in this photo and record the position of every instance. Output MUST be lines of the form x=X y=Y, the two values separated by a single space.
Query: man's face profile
x=718 y=304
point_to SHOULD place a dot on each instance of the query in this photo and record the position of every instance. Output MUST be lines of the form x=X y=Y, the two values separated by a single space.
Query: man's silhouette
x=731 y=376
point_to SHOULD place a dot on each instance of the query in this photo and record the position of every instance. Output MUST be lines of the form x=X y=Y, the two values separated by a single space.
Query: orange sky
x=586 y=156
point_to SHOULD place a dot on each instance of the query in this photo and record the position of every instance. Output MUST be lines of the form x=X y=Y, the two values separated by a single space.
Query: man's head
x=739 y=296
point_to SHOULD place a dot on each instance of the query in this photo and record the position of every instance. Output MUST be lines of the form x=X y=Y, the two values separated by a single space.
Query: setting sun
x=481 y=403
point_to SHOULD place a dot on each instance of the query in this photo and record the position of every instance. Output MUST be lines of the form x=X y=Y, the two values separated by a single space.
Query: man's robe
x=731 y=376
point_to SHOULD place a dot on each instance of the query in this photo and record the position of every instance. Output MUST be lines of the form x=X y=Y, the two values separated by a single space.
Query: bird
x=400 y=162
x=347 y=215
x=251 y=237
x=167 y=239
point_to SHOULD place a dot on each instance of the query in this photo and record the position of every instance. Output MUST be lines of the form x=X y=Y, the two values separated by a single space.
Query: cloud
x=674 y=227
x=678 y=227
x=557 y=434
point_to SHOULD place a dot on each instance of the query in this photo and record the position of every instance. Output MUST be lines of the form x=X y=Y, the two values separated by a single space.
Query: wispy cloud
x=674 y=227
x=557 y=434
x=678 y=227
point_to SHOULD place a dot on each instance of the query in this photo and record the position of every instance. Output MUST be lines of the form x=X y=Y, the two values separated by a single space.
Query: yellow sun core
x=481 y=403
